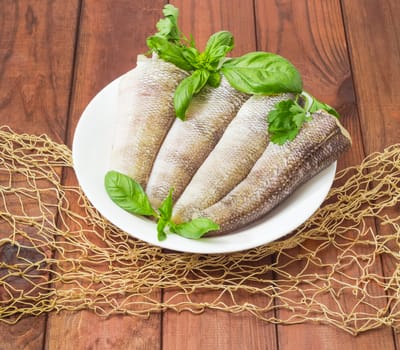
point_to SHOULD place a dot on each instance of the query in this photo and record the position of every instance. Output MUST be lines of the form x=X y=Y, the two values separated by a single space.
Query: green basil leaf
x=195 y=229
x=166 y=206
x=262 y=73
x=169 y=52
x=127 y=193
x=161 y=224
x=218 y=45
x=187 y=88
x=190 y=54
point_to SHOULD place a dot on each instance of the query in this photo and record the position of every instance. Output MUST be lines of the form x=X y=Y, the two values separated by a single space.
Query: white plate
x=91 y=152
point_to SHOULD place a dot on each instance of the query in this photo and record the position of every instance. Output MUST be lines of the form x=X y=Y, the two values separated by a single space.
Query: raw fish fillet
x=280 y=171
x=242 y=143
x=145 y=114
x=189 y=142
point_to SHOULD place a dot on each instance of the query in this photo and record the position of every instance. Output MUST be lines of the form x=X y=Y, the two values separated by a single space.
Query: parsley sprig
x=286 y=120
x=168 y=26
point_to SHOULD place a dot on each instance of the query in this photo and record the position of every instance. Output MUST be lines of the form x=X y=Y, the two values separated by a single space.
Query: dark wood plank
x=203 y=18
x=311 y=35
x=37 y=40
x=111 y=35
x=218 y=329
x=373 y=32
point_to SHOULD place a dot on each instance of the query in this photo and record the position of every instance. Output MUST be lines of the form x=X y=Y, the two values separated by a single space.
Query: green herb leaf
x=317 y=105
x=285 y=121
x=190 y=54
x=187 y=89
x=171 y=11
x=218 y=45
x=127 y=194
x=168 y=26
x=161 y=234
x=312 y=105
x=166 y=206
x=170 y=52
x=262 y=73
x=169 y=42
x=165 y=211
x=195 y=228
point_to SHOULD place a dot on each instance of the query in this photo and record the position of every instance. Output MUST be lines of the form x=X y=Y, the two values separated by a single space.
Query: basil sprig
x=254 y=73
x=287 y=118
x=130 y=196
x=203 y=66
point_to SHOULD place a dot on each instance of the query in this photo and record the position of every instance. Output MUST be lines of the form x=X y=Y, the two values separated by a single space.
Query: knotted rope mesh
x=341 y=267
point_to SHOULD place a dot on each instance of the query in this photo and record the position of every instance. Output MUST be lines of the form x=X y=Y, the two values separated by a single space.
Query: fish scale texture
x=144 y=115
x=189 y=142
x=241 y=145
x=279 y=171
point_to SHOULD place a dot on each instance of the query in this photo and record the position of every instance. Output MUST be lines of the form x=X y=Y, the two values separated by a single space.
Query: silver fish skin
x=145 y=114
x=189 y=142
x=280 y=171
x=242 y=143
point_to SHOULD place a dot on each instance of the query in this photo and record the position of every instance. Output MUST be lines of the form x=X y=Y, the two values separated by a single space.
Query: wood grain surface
x=37 y=42
x=56 y=55
x=372 y=30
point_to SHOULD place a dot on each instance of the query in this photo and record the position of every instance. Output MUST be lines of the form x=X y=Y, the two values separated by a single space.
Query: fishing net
x=341 y=267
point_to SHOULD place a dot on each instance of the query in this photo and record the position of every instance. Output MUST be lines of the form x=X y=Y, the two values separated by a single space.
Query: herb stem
x=309 y=101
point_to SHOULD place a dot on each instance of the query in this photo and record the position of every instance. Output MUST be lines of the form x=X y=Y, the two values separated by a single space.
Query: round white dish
x=91 y=152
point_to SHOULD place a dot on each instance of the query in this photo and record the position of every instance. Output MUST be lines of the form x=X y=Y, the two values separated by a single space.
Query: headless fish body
x=145 y=114
x=242 y=143
x=279 y=171
x=189 y=142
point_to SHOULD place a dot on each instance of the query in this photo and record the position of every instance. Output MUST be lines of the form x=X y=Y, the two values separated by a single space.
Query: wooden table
x=56 y=55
